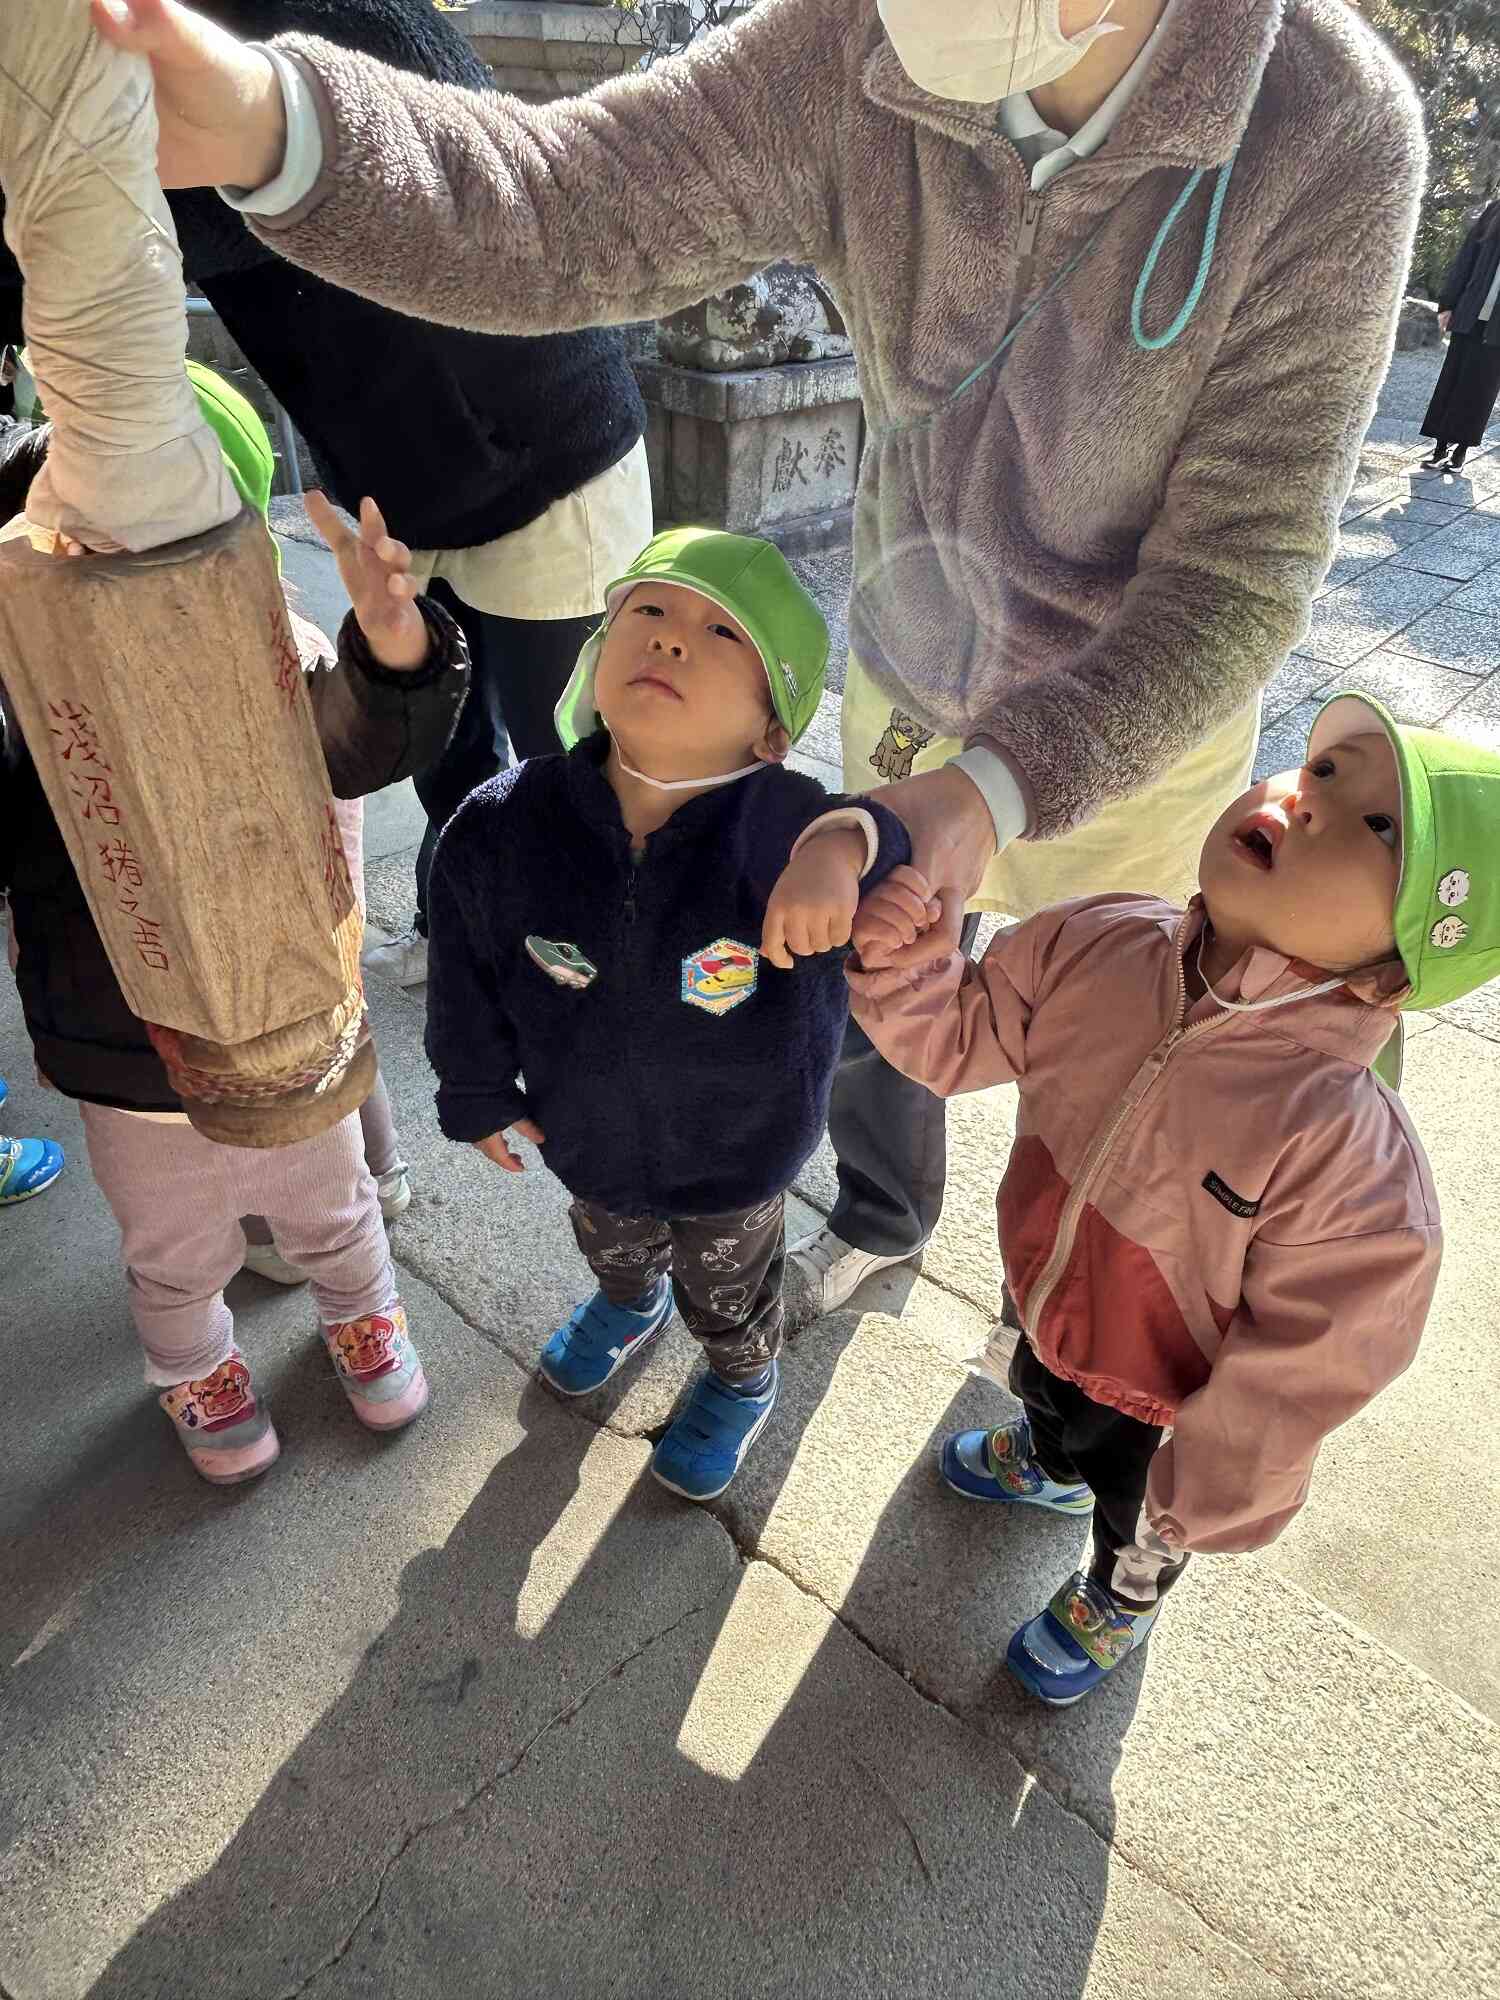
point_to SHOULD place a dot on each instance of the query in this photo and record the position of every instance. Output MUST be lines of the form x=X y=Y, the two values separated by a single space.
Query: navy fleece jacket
x=673 y=1071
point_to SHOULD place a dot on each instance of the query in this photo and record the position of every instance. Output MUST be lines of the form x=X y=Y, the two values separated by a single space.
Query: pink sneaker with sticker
x=378 y=1368
x=225 y=1428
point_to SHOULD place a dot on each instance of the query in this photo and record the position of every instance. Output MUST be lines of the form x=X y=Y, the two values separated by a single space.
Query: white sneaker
x=832 y=1270
x=402 y=960
x=394 y=1190
x=266 y=1261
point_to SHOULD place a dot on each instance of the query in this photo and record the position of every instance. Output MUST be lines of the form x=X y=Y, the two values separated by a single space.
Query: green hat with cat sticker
x=1447 y=917
x=751 y=580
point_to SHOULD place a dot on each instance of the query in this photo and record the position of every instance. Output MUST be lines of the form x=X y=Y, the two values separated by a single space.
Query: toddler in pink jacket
x=1217 y=1222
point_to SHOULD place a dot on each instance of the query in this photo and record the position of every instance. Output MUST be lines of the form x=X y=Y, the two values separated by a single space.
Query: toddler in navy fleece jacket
x=613 y=978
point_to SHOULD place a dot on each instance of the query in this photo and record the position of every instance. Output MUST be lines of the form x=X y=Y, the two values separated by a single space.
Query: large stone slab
x=1296 y=682
x=758 y=1806
x=1468 y=641
x=226 y=1712
x=1195 y=1761
x=1414 y=690
x=1353 y=621
x=1389 y=1537
x=1451 y=552
x=1283 y=744
x=1482 y=594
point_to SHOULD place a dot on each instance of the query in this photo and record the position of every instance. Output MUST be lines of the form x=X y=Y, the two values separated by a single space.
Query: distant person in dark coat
x=1464 y=400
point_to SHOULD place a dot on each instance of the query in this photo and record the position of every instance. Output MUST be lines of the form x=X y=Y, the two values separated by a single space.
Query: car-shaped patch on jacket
x=560 y=961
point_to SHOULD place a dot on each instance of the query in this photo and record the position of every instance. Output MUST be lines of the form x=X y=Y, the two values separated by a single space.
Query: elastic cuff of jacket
x=302 y=162
x=1002 y=789
x=447 y=651
x=857 y=820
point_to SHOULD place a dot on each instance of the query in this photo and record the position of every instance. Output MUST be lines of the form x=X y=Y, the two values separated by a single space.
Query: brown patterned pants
x=726 y=1274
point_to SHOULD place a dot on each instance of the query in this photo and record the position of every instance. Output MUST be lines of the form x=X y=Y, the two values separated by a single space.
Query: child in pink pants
x=384 y=707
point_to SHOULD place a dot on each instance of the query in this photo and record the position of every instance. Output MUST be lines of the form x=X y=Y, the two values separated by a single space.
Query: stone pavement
x=481 y=1710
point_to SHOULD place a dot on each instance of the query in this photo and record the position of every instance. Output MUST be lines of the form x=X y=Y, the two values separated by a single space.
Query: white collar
x=1019 y=118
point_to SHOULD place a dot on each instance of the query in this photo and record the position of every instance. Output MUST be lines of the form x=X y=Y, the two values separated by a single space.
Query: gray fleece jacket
x=1086 y=551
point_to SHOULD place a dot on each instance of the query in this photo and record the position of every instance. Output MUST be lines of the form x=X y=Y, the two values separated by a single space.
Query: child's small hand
x=813 y=903
x=494 y=1148
x=377 y=575
x=894 y=916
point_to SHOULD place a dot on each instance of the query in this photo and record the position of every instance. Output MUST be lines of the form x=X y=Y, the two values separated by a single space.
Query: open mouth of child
x=1257 y=840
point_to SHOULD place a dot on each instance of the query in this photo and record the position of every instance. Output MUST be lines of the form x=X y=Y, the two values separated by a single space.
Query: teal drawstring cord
x=1147 y=342
x=1152 y=343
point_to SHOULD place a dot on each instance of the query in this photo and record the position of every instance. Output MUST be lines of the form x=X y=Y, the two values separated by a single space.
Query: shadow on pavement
x=632 y=1764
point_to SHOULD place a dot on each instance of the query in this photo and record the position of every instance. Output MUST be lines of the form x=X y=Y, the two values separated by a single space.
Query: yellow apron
x=1149 y=842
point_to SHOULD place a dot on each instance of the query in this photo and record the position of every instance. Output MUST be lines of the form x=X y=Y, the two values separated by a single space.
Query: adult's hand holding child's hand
x=376 y=569
x=494 y=1148
x=898 y=913
x=952 y=843
x=812 y=906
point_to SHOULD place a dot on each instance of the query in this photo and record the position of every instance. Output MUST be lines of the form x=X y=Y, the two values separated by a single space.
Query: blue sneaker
x=999 y=1465
x=27 y=1166
x=600 y=1338
x=705 y=1447
x=1064 y=1652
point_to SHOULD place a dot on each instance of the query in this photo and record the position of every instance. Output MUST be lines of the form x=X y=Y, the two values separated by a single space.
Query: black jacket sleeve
x=1460 y=270
x=471 y=1039
x=377 y=727
x=22 y=450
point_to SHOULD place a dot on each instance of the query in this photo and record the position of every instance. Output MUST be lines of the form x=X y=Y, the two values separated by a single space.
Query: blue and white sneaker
x=1064 y=1652
x=27 y=1166
x=1000 y=1465
x=600 y=1338
x=703 y=1450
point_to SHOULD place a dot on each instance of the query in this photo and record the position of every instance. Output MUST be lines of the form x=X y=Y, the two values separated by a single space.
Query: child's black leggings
x=1076 y=1438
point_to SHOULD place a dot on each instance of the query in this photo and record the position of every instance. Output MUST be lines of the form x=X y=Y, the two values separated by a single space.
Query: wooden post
x=163 y=699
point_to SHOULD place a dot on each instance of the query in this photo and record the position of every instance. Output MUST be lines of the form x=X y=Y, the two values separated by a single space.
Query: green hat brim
x=794 y=702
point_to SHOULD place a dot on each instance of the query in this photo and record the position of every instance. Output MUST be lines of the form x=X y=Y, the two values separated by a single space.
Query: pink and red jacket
x=1222 y=1223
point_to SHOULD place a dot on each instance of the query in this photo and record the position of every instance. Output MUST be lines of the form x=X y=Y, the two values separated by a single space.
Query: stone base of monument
x=541 y=49
x=762 y=451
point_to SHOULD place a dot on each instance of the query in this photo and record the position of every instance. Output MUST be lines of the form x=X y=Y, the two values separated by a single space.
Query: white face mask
x=979 y=51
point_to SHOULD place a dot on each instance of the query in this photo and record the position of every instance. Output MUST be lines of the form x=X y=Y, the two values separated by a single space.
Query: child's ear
x=775 y=746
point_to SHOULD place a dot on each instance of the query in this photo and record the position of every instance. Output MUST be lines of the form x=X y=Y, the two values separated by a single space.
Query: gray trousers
x=890 y=1137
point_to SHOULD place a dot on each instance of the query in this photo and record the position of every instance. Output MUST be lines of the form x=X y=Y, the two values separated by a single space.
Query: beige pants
x=1149 y=842
x=560 y=565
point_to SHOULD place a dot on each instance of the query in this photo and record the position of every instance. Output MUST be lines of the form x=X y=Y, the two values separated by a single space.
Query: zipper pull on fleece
x=1031 y=217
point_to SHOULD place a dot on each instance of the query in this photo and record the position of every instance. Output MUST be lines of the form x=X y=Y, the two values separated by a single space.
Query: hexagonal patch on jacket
x=720 y=976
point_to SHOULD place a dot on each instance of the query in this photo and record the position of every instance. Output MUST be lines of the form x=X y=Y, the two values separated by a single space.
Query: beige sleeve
x=480 y=211
x=132 y=463
x=1322 y=1328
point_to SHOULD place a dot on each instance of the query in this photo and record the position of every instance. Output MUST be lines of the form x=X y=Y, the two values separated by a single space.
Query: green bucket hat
x=242 y=436
x=1447 y=917
x=754 y=583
